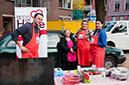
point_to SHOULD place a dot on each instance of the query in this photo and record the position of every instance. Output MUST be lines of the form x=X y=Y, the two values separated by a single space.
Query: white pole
x=15 y=3
x=21 y=3
x=31 y=3
x=40 y=2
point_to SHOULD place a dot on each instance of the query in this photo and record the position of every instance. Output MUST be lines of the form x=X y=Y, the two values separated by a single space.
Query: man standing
x=30 y=34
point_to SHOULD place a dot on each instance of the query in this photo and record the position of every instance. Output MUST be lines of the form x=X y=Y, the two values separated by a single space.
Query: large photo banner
x=25 y=15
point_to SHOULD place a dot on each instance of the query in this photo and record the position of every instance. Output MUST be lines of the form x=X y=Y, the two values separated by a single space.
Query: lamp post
x=90 y=10
x=48 y=7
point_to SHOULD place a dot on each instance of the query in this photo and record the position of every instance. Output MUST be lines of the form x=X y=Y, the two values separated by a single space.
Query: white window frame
x=65 y=6
x=9 y=16
x=66 y=17
x=126 y=1
x=115 y=4
x=26 y=2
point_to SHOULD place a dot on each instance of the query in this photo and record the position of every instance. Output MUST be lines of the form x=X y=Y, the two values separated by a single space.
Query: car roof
x=119 y=21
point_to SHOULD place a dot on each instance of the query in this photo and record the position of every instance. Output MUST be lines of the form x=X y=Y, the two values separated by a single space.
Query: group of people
x=88 y=50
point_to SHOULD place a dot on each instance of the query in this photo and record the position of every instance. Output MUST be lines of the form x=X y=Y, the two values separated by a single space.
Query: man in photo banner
x=30 y=34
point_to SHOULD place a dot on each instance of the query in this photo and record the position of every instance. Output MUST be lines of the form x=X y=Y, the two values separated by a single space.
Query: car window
x=106 y=24
x=109 y=25
x=120 y=27
x=11 y=44
x=52 y=39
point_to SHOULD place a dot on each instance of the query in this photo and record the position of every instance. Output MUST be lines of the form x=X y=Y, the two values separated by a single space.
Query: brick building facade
x=56 y=10
x=118 y=10
x=115 y=10
x=6 y=15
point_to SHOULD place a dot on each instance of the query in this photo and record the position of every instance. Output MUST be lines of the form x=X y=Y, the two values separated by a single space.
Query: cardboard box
x=93 y=78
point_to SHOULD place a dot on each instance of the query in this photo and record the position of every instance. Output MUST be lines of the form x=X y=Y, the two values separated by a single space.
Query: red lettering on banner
x=20 y=23
x=43 y=32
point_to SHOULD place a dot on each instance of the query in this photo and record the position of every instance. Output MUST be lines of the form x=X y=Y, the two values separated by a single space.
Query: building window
x=8 y=24
x=24 y=3
x=121 y=17
x=66 y=18
x=126 y=4
x=66 y=4
x=113 y=18
x=117 y=5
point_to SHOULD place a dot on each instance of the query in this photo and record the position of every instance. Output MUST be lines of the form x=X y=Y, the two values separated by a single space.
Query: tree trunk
x=100 y=10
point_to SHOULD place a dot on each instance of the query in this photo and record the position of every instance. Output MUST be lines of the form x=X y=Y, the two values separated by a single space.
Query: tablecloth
x=107 y=81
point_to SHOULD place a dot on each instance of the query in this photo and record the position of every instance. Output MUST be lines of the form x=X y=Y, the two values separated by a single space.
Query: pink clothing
x=71 y=57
